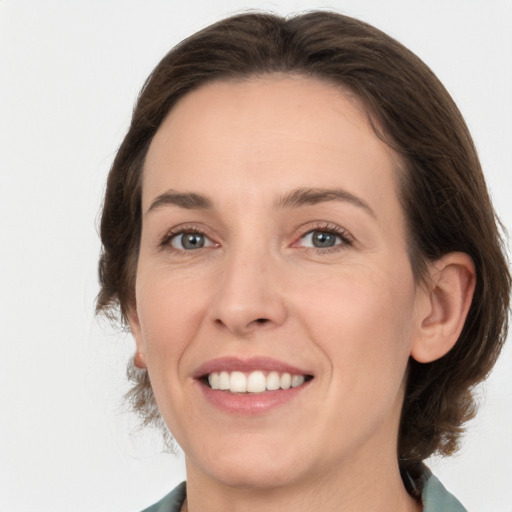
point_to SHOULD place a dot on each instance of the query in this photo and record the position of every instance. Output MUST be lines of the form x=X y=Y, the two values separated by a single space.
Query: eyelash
x=346 y=239
x=166 y=241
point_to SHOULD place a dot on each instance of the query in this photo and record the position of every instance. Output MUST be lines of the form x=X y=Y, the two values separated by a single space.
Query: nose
x=249 y=295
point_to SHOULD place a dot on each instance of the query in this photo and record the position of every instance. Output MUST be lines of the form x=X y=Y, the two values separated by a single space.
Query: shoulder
x=172 y=502
x=436 y=498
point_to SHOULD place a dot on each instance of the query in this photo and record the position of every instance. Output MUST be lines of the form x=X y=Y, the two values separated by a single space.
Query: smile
x=254 y=382
x=251 y=386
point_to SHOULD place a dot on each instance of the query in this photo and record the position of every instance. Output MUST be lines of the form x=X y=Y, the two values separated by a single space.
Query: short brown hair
x=443 y=191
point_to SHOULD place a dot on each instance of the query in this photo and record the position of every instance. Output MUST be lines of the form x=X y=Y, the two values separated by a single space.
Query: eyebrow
x=311 y=196
x=294 y=199
x=188 y=201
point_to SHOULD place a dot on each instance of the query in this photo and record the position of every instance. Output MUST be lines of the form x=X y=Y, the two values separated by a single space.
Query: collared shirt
x=434 y=496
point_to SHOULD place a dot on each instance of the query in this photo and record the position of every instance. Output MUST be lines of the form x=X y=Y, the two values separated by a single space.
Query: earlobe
x=449 y=291
x=139 y=359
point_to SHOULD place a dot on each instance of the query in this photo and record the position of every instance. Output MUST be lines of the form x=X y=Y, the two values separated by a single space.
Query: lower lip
x=250 y=403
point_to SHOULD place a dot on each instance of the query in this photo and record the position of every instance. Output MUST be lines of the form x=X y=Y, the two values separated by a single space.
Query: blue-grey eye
x=320 y=239
x=190 y=241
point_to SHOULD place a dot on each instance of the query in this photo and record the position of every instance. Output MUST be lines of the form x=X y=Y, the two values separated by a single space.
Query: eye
x=320 y=239
x=325 y=238
x=189 y=241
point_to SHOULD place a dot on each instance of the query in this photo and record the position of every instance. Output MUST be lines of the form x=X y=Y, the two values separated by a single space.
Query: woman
x=297 y=231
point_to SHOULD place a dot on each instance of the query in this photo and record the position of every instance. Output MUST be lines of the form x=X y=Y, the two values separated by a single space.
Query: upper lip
x=230 y=364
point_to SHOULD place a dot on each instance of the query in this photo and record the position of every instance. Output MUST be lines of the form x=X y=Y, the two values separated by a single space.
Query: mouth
x=255 y=375
x=253 y=382
x=251 y=387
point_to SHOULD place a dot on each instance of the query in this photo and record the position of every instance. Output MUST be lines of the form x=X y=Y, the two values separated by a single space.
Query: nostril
x=256 y=321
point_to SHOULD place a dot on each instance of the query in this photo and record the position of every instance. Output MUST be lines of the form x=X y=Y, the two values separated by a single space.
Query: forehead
x=284 y=131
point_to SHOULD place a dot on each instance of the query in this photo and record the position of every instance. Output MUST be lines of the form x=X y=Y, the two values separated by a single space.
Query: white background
x=69 y=74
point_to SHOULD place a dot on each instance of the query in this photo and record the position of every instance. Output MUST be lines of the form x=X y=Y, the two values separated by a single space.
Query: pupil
x=323 y=239
x=193 y=241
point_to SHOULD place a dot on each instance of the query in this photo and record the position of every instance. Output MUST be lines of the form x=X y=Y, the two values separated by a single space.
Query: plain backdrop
x=70 y=72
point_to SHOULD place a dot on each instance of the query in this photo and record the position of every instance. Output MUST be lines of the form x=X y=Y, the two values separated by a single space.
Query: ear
x=448 y=293
x=139 y=359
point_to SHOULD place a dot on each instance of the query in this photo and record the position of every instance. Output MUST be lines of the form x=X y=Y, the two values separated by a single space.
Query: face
x=275 y=302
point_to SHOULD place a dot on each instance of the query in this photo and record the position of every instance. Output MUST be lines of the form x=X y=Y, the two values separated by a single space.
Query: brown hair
x=443 y=191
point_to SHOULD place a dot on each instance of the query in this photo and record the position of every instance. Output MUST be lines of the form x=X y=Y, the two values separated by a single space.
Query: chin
x=256 y=475
x=253 y=468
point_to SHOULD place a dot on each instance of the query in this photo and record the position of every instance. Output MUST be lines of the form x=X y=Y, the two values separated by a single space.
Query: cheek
x=170 y=313
x=363 y=322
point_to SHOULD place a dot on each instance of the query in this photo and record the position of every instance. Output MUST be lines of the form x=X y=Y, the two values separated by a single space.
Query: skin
x=351 y=314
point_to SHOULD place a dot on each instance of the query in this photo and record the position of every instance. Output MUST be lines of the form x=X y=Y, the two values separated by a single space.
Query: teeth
x=286 y=381
x=224 y=380
x=273 y=381
x=256 y=382
x=297 y=380
x=238 y=382
x=253 y=382
x=213 y=379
